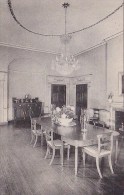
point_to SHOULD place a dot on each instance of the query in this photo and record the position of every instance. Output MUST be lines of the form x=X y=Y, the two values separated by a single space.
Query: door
x=81 y=98
x=58 y=95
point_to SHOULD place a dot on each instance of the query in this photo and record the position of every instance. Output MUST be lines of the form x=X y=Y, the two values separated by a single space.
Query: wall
x=104 y=64
x=25 y=77
x=93 y=63
x=3 y=97
x=26 y=73
x=28 y=70
x=114 y=67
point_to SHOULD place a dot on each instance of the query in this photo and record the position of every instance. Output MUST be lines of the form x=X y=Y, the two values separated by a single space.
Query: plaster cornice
x=26 y=48
x=54 y=53
x=102 y=43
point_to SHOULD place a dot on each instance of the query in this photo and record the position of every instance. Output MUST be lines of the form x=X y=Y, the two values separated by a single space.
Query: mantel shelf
x=118 y=109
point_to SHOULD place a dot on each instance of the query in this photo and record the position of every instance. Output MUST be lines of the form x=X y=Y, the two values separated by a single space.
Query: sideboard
x=25 y=110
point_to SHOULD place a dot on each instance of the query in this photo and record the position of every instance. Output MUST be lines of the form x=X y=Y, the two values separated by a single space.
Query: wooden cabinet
x=23 y=111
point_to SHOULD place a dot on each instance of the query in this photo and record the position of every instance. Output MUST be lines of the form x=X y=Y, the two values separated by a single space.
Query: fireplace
x=119 y=119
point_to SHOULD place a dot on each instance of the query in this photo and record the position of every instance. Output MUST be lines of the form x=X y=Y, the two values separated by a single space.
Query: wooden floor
x=24 y=171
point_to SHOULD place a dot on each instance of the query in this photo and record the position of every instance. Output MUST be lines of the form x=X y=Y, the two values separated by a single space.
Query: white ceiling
x=47 y=17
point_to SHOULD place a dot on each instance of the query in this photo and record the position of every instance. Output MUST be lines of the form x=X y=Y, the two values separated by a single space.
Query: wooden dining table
x=75 y=136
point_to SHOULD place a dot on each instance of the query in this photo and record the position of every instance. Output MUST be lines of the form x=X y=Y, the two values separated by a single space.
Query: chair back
x=49 y=135
x=105 y=141
x=33 y=124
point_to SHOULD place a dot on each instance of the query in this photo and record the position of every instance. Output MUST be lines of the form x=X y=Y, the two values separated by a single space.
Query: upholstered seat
x=56 y=143
x=94 y=151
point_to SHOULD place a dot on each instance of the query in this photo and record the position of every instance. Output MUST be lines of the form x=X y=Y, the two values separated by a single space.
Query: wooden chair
x=35 y=133
x=102 y=149
x=91 y=119
x=54 y=145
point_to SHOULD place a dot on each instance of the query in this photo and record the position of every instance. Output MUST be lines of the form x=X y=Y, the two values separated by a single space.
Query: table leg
x=76 y=160
x=116 y=150
x=62 y=150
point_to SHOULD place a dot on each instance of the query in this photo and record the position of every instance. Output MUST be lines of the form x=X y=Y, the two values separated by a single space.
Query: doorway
x=81 y=98
x=58 y=95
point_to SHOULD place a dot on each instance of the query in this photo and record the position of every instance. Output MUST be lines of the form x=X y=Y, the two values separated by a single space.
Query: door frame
x=78 y=107
x=70 y=83
x=84 y=79
x=58 y=80
x=57 y=86
x=87 y=93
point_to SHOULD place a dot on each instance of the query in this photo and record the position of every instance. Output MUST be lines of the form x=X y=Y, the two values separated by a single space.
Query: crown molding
x=102 y=43
x=27 y=72
x=54 y=53
x=26 y=48
x=3 y=71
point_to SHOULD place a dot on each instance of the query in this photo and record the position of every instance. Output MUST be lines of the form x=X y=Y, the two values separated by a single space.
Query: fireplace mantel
x=118 y=109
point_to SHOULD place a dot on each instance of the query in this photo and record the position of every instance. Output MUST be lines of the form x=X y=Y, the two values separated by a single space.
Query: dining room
x=61 y=97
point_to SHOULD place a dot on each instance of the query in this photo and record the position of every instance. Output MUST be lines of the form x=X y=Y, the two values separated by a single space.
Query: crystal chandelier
x=65 y=63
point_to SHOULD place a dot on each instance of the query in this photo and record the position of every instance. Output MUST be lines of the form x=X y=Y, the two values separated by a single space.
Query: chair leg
x=52 y=156
x=61 y=152
x=98 y=169
x=68 y=152
x=32 y=137
x=47 y=152
x=110 y=164
x=35 y=141
x=84 y=158
x=42 y=139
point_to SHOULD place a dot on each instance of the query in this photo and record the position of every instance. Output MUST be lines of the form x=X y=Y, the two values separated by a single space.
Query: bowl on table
x=65 y=121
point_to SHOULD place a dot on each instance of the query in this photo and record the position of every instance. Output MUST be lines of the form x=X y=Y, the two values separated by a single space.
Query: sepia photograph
x=61 y=97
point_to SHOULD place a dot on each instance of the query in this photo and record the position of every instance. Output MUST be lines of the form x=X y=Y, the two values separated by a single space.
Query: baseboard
x=11 y=122
x=3 y=123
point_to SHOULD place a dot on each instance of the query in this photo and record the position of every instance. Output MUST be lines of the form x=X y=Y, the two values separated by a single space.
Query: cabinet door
x=36 y=109
x=19 y=112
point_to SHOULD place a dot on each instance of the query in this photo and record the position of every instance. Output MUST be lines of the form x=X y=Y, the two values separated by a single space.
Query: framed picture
x=121 y=83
